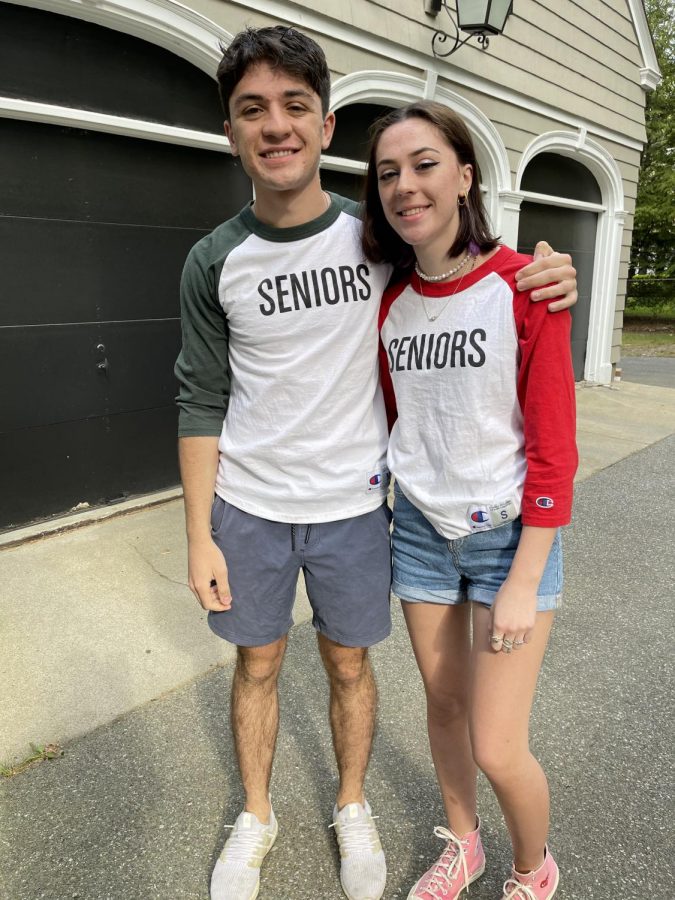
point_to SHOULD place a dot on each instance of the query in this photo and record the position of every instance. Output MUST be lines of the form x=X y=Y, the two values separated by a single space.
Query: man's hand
x=207 y=575
x=552 y=269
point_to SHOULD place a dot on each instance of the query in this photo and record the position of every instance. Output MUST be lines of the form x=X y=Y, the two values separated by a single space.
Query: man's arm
x=203 y=374
x=550 y=275
x=206 y=565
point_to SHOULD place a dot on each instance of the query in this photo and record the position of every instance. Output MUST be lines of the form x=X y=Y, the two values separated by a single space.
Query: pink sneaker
x=539 y=885
x=458 y=866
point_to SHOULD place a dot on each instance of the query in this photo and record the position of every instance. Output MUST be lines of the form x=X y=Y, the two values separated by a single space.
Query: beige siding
x=586 y=64
x=580 y=58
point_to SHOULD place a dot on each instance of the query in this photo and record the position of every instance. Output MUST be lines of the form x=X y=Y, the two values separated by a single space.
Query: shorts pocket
x=217 y=514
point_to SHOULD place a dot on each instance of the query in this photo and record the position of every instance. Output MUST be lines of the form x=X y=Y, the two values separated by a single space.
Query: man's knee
x=260 y=665
x=345 y=666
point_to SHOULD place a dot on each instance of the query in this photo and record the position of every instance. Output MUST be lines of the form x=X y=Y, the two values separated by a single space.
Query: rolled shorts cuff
x=545 y=603
x=220 y=629
x=422 y=595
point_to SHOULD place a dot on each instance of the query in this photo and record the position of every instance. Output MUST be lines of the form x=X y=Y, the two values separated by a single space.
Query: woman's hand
x=513 y=616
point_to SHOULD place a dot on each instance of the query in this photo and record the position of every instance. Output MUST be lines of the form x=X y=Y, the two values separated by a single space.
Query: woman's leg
x=439 y=634
x=502 y=690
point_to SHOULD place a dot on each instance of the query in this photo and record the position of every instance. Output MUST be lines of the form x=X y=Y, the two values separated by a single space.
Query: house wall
x=573 y=67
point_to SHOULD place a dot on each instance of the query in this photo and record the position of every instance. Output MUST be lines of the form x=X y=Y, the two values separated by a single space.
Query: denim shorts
x=346 y=565
x=428 y=568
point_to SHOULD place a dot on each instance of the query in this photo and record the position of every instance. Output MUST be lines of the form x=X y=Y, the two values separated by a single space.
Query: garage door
x=94 y=229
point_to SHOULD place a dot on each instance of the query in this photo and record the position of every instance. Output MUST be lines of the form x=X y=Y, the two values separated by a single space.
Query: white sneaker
x=363 y=870
x=236 y=875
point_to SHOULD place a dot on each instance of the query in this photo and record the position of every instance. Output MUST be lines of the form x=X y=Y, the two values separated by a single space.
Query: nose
x=276 y=123
x=404 y=182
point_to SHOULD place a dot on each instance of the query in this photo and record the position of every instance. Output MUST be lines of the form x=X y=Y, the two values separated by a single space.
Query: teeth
x=412 y=212
x=275 y=154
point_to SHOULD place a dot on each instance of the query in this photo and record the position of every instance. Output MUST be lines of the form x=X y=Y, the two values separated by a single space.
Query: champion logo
x=479 y=516
x=375 y=479
x=544 y=502
x=545 y=881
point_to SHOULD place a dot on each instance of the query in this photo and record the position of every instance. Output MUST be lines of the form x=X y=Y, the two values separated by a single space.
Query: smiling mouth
x=278 y=154
x=412 y=212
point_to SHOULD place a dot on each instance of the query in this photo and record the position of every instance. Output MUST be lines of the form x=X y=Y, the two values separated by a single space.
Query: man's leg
x=255 y=720
x=353 y=702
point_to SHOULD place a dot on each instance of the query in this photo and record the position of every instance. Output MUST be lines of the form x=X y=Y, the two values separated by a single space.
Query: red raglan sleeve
x=548 y=403
x=390 y=295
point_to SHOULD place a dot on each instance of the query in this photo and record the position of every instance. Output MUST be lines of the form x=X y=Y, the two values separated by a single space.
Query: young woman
x=480 y=392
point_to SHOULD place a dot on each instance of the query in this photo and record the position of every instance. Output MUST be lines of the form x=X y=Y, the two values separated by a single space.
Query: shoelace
x=243 y=844
x=445 y=870
x=519 y=891
x=356 y=835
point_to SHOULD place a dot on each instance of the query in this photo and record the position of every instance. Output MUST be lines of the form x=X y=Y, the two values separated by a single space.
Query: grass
x=648 y=331
x=40 y=753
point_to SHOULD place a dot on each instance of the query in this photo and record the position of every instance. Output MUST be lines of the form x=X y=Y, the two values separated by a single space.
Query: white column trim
x=611 y=220
x=650 y=74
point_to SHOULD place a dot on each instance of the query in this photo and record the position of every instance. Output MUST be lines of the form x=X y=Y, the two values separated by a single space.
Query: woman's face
x=420 y=179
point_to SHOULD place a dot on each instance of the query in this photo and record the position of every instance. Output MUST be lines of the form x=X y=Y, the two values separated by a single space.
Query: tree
x=653 y=251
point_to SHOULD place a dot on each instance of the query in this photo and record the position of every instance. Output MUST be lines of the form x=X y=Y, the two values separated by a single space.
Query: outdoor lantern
x=478 y=18
x=483 y=16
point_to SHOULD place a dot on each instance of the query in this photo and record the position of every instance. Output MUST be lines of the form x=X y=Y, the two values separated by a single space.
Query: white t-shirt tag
x=483 y=517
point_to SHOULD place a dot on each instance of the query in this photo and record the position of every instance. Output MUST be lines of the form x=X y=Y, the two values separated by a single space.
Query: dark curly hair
x=379 y=240
x=282 y=48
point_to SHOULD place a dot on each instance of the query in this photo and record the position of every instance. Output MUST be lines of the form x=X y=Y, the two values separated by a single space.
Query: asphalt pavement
x=135 y=809
x=656 y=370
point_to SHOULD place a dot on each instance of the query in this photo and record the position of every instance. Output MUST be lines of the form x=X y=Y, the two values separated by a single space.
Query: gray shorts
x=347 y=569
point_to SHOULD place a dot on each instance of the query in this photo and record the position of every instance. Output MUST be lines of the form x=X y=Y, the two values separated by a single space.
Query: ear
x=466 y=179
x=328 y=129
x=229 y=134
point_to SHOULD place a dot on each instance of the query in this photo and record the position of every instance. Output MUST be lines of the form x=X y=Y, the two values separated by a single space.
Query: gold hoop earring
x=461 y=200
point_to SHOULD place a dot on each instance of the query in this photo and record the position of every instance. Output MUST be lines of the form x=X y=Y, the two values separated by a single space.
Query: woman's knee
x=497 y=756
x=445 y=704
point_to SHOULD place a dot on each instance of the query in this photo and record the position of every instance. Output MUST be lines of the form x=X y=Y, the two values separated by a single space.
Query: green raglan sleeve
x=202 y=367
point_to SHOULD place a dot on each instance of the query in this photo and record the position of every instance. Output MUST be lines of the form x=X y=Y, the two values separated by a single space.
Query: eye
x=386 y=175
x=251 y=111
x=424 y=164
x=297 y=109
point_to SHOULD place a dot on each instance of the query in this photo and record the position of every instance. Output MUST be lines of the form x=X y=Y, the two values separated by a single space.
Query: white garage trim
x=611 y=220
x=164 y=22
x=394 y=89
x=30 y=111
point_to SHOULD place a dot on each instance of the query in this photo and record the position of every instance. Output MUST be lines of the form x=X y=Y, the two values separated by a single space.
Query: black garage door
x=94 y=229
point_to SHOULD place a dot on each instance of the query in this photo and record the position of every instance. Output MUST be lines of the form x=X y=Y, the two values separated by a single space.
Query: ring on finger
x=496 y=638
x=507 y=643
x=506 y=649
x=518 y=643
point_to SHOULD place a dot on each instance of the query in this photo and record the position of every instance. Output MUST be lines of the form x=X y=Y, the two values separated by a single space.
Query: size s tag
x=483 y=517
x=378 y=480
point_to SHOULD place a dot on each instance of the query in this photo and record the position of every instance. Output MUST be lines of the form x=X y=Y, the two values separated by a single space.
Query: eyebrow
x=390 y=162
x=259 y=98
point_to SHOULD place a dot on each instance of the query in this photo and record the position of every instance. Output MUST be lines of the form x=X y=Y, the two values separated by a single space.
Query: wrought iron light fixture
x=479 y=18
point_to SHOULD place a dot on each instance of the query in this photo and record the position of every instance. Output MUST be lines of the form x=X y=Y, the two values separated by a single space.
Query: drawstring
x=307 y=534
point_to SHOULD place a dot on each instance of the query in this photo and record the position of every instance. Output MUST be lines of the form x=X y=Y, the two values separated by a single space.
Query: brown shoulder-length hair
x=379 y=240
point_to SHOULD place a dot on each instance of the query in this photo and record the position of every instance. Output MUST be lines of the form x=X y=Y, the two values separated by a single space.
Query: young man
x=282 y=416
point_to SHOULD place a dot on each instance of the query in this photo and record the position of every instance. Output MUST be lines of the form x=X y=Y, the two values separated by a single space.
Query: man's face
x=277 y=128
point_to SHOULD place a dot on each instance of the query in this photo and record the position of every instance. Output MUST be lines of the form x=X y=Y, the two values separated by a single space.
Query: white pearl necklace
x=434 y=278
x=432 y=318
